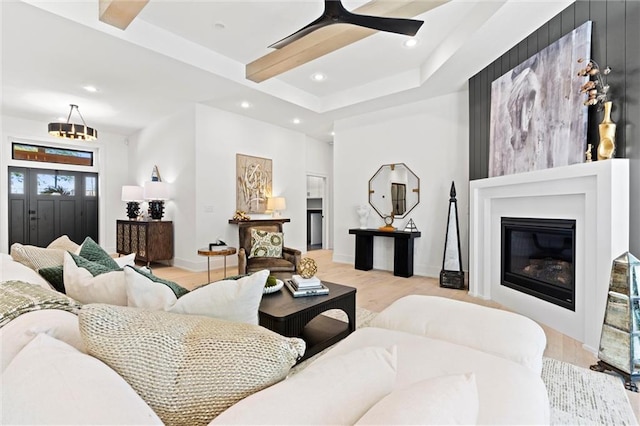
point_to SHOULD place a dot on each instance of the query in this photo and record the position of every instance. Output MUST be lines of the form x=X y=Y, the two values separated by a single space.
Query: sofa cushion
x=233 y=300
x=81 y=284
x=506 y=334
x=334 y=391
x=508 y=392
x=188 y=368
x=50 y=382
x=13 y=270
x=90 y=250
x=36 y=257
x=64 y=243
x=265 y=244
x=62 y=325
x=446 y=400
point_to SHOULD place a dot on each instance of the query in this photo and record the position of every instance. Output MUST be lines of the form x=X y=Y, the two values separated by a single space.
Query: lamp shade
x=156 y=191
x=132 y=193
x=276 y=203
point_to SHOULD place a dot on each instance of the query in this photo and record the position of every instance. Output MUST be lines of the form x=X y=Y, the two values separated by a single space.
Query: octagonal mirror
x=394 y=190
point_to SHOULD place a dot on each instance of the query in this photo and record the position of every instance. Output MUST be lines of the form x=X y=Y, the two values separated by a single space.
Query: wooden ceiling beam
x=331 y=38
x=120 y=13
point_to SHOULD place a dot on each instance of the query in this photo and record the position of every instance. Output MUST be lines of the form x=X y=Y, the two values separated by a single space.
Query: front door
x=45 y=204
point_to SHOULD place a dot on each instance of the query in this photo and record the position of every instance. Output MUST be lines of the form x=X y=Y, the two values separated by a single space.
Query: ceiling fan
x=335 y=13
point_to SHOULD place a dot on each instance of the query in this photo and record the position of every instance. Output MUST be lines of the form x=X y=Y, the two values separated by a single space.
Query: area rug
x=577 y=396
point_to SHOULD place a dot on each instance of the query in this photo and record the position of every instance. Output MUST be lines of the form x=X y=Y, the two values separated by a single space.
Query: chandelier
x=70 y=130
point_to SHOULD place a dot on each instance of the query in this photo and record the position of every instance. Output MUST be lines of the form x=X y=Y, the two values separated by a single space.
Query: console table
x=149 y=240
x=402 y=249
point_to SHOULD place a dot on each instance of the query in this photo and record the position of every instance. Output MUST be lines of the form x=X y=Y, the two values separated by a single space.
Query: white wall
x=195 y=151
x=431 y=138
x=221 y=135
x=111 y=156
x=170 y=144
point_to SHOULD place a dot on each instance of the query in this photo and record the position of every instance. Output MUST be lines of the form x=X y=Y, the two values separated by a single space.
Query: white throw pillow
x=232 y=300
x=129 y=259
x=106 y=288
x=447 y=400
x=50 y=382
x=144 y=293
x=333 y=391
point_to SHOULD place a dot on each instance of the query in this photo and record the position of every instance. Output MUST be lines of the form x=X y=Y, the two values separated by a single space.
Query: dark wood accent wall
x=615 y=42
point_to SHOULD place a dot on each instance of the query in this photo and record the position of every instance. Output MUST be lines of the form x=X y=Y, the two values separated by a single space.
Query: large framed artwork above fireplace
x=593 y=198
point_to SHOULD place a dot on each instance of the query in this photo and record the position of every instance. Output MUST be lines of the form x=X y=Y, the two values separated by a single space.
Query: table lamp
x=132 y=194
x=156 y=193
x=276 y=205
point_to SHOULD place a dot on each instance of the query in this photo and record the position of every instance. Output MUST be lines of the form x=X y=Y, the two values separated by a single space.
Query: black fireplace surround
x=538 y=258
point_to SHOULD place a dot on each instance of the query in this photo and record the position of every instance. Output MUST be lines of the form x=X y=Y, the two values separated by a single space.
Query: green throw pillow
x=94 y=268
x=55 y=276
x=265 y=244
x=177 y=289
x=90 y=250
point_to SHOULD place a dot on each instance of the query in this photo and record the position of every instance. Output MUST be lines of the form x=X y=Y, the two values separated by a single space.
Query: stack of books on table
x=300 y=287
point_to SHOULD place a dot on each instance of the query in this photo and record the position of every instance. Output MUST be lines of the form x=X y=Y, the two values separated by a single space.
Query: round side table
x=224 y=252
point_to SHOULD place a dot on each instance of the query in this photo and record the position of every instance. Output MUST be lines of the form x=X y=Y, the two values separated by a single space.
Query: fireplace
x=538 y=258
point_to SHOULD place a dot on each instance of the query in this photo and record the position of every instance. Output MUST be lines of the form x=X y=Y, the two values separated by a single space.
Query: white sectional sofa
x=422 y=360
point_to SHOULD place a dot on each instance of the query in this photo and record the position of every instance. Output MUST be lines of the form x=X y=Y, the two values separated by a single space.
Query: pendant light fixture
x=70 y=130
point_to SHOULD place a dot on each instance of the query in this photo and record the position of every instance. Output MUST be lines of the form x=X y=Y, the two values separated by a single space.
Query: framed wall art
x=538 y=119
x=254 y=176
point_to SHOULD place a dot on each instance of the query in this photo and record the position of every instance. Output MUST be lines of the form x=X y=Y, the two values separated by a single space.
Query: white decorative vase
x=363 y=212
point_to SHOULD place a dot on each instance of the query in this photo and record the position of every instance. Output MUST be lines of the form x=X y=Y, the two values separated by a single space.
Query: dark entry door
x=45 y=204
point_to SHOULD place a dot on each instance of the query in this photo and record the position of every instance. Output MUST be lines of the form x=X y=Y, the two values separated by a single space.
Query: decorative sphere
x=308 y=267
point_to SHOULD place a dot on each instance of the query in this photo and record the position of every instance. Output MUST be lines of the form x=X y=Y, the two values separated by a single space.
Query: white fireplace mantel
x=596 y=196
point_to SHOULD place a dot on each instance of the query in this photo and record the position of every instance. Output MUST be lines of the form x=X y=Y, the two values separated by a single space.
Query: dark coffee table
x=300 y=316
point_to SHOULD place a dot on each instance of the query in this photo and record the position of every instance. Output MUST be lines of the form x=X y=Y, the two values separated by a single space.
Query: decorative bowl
x=273 y=288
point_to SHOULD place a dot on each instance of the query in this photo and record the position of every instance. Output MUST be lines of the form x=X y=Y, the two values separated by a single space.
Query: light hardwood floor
x=378 y=289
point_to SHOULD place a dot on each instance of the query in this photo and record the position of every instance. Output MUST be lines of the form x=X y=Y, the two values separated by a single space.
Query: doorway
x=45 y=204
x=316 y=205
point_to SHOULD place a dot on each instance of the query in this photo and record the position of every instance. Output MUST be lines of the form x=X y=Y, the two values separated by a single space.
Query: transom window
x=46 y=154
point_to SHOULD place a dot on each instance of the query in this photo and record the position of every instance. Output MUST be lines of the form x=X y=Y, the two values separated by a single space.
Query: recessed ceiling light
x=333 y=133
x=219 y=26
x=318 y=76
x=412 y=42
x=245 y=104
x=296 y=121
x=91 y=89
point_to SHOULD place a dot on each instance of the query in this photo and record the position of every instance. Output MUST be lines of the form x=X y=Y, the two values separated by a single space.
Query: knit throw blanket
x=17 y=298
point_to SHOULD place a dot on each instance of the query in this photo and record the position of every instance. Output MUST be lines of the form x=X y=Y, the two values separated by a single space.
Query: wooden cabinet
x=151 y=241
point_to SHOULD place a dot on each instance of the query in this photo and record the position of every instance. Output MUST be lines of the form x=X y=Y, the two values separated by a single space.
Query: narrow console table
x=149 y=240
x=402 y=249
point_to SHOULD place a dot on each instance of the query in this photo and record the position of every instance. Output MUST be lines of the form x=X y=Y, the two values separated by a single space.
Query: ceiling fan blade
x=403 y=26
x=322 y=21
x=335 y=13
